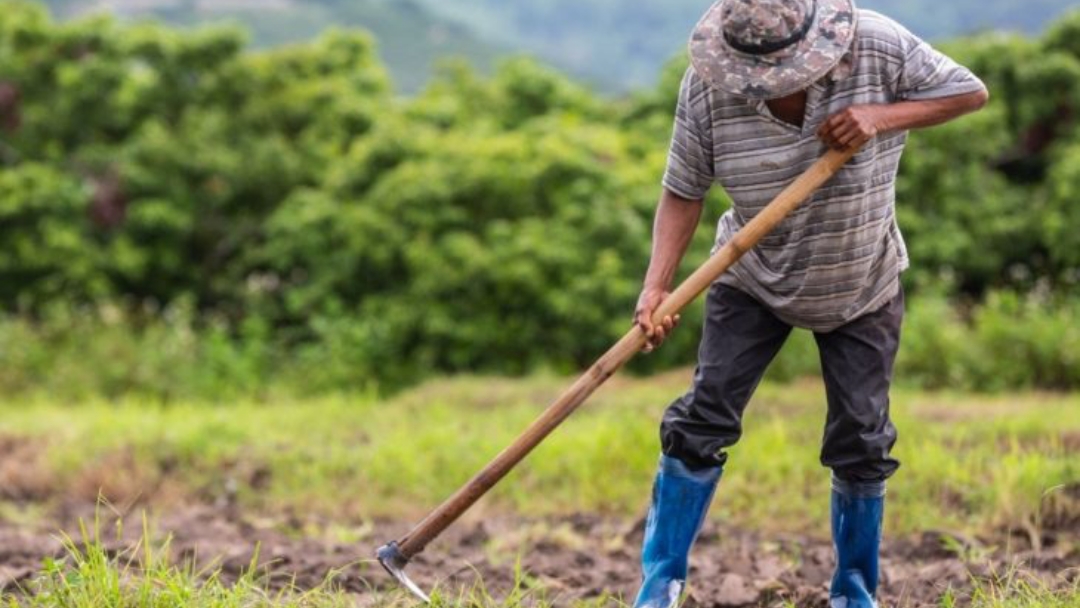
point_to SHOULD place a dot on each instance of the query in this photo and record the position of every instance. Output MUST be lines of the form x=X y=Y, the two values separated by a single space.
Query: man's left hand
x=851 y=127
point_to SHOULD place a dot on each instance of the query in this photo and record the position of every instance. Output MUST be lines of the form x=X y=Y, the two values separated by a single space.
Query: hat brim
x=780 y=73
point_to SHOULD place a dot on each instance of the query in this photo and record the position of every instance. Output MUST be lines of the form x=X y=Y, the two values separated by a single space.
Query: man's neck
x=790 y=109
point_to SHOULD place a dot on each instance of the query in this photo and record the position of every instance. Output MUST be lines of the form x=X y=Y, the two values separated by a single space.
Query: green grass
x=143 y=577
x=1014 y=590
x=970 y=463
x=90 y=576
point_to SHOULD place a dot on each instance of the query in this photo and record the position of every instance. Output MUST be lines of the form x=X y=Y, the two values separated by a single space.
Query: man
x=773 y=83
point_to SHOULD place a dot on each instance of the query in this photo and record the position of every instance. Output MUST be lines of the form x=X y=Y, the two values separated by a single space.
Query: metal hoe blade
x=394 y=562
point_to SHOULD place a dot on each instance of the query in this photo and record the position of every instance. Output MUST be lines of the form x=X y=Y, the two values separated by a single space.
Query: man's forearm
x=905 y=115
x=676 y=220
x=858 y=124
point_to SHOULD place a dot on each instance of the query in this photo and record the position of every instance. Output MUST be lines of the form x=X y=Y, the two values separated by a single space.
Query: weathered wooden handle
x=630 y=344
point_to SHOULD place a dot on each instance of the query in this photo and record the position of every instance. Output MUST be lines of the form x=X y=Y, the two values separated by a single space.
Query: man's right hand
x=648 y=302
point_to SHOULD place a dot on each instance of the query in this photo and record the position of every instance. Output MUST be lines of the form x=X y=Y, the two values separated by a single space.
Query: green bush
x=1010 y=342
x=81 y=352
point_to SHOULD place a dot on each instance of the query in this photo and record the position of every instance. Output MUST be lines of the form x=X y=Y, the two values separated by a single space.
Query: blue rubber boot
x=680 y=499
x=856 y=526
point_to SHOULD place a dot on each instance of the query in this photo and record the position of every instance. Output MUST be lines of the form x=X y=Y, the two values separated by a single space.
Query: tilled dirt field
x=571 y=558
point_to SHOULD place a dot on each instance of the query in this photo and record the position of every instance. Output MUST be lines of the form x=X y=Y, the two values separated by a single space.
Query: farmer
x=773 y=83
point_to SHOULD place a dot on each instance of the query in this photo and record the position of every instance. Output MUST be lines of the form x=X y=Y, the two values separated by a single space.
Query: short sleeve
x=689 y=172
x=926 y=73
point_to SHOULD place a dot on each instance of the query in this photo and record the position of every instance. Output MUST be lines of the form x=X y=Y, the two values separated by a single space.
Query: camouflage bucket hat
x=764 y=49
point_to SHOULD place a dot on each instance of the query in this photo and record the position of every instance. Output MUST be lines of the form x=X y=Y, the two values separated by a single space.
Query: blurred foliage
x=285 y=202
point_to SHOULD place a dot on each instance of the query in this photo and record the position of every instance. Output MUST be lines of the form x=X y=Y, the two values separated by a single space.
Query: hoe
x=395 y=556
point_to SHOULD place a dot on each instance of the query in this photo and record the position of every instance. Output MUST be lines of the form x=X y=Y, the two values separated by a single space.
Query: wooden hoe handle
x=763 y=223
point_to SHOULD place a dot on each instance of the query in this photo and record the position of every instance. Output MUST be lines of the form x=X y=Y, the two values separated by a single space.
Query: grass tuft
x=142 y=575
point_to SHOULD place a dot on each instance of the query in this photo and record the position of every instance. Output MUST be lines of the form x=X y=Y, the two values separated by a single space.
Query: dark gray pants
x=740 y=339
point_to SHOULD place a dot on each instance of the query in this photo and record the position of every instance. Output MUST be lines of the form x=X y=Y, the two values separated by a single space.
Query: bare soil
x=571 y=558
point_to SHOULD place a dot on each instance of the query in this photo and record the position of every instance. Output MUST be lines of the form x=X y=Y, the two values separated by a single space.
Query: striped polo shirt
x=840 y=254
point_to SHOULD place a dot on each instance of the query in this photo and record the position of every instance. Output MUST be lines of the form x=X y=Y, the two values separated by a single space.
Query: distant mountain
x=615 y=44
x=623 y=44
x=410 y=37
